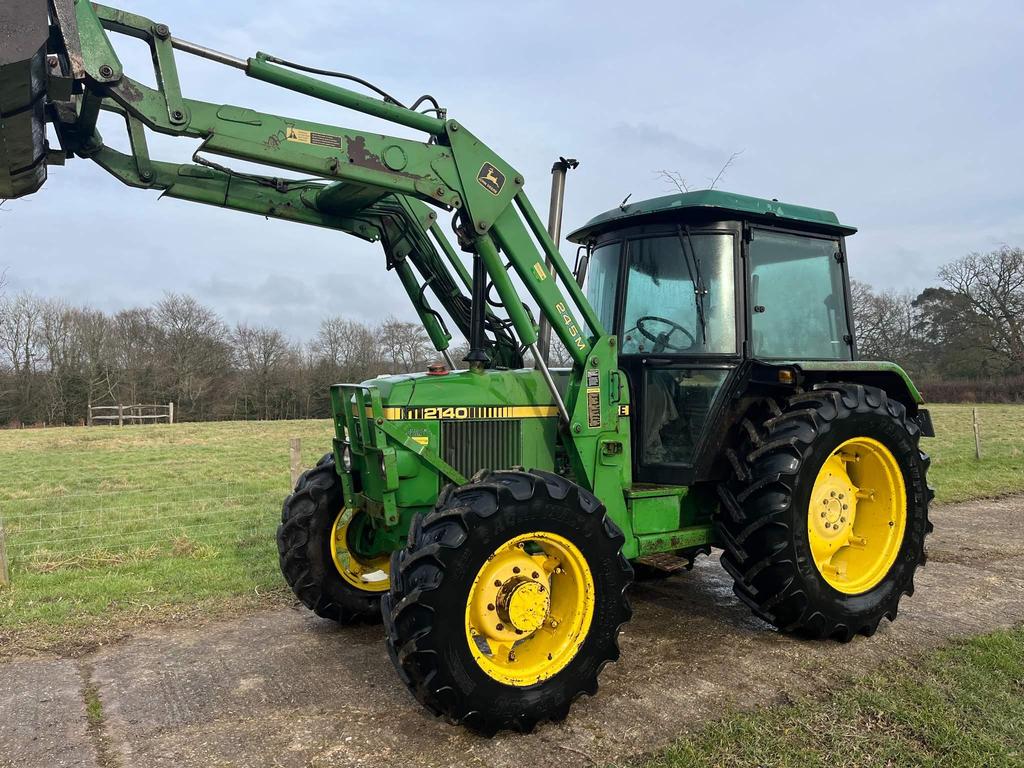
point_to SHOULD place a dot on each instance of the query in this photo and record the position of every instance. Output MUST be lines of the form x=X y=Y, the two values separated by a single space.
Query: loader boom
x=371 y=185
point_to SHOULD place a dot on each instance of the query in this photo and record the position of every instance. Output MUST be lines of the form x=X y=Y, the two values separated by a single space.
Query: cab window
x=680 y=295
x=797 y=300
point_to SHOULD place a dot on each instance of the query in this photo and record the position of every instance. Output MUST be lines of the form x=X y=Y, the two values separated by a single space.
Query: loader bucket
x=24 y=28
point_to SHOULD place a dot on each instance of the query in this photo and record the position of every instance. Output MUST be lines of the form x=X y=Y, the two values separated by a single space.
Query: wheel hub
x=524 y=604
x=529 y=608
x=857 y=515
x=367 y=575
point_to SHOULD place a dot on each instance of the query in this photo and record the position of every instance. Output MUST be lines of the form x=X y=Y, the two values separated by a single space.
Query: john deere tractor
x=493 y=510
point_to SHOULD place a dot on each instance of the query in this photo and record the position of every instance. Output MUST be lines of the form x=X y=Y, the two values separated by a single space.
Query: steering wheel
x=660 y=340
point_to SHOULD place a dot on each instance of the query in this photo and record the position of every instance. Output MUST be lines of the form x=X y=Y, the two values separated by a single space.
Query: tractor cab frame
x=697 y=286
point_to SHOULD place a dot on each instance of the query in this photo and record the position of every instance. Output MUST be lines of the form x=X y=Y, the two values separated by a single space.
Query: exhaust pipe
x=558 y=171
x=24 y=29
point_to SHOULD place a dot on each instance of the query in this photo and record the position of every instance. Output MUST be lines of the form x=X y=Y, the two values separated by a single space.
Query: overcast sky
x=904 y=118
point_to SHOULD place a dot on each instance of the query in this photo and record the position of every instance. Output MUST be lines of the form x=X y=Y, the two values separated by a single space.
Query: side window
x=797 y=300
x=602 y=281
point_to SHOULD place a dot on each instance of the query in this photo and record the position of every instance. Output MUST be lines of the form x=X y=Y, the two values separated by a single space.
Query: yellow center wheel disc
x=529 y=608
x=857 y=515
x=366 y=575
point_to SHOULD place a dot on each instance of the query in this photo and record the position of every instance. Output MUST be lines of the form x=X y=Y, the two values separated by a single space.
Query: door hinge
x=839 y=257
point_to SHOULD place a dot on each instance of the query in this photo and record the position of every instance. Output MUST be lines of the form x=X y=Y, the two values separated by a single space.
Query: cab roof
x=731 y=205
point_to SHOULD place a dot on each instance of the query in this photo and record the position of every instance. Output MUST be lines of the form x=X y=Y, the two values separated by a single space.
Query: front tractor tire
x=824 y=519
x=314 y=551
x=508 y=600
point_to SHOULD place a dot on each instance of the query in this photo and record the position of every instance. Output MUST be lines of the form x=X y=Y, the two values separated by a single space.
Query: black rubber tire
x=424 y=614
x=762 y=522
x=304 y=549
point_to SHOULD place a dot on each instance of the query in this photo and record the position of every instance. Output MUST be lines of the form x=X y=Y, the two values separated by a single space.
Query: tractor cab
x=697 y=285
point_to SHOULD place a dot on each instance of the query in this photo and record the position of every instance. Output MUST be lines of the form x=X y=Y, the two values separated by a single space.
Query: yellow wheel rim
x=857 y=515
x=367 y=575
x=529 y=608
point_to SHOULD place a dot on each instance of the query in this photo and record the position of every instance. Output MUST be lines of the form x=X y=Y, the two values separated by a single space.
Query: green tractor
x=495 y=515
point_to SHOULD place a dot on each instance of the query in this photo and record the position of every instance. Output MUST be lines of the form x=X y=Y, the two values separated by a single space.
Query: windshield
x=680 y=295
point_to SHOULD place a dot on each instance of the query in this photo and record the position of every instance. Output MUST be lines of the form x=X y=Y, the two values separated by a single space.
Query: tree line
x=963 y=339
x=56 y=360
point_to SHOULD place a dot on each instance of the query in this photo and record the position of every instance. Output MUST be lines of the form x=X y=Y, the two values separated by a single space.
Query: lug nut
x=490 y=606
x=516 y=569
x=499 y=627
x=534 y=575
x=824 y=514
x=497 y=582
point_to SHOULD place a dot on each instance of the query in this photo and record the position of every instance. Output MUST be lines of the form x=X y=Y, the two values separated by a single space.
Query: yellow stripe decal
x=456 y=412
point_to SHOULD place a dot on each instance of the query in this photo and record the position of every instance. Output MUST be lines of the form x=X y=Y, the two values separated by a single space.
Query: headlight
x=346 y=457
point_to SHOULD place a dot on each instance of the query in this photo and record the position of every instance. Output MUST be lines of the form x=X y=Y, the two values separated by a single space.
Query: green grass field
x=109 y=523
x=961 y=706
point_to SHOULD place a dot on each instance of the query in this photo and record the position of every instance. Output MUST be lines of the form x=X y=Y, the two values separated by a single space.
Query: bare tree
x=674 y=180
x=196 y=355
x=260 y=356
x=348 y=347
x=404 y=346
x=885 y=323
x=993 y=285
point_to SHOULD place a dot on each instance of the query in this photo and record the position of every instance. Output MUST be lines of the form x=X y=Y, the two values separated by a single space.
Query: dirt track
x=281 y=688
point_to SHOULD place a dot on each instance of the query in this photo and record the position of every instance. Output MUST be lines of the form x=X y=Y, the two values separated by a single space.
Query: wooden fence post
x=120 y=415
x=170 y=412
x=295 y=449
x=5 y=575
x=977 y=435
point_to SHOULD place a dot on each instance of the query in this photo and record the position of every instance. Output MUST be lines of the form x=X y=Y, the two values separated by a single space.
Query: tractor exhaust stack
x=558 y=171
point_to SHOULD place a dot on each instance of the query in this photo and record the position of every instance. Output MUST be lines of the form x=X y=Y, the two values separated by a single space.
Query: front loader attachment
x=24 y=29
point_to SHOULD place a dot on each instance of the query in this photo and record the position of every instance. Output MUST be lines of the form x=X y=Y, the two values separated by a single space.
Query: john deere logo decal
x=491 y=178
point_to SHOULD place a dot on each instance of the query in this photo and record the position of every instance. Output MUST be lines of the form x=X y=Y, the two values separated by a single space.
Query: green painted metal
x=656 y=543
x=862 y=366
x=260 y=69
x=728 y=203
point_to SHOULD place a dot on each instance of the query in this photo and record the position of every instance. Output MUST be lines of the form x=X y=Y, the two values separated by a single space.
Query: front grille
x=473 y=445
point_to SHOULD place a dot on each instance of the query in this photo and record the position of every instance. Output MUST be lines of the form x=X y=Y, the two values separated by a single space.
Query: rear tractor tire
x=508 y=601
x=315 y=553
x=824 y=520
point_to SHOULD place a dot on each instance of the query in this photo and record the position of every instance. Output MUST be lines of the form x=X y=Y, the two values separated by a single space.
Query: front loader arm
x=369 y=184
x=406 y=228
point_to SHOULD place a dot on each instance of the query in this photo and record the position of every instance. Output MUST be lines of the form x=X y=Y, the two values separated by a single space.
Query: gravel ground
x=282 y=688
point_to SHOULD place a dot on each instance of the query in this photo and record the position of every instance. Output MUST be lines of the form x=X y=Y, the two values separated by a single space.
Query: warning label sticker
x=594 y=408
x=312 y=137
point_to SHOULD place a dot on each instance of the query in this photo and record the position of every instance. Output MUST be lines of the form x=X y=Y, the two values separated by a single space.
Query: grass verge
x=961 y=706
